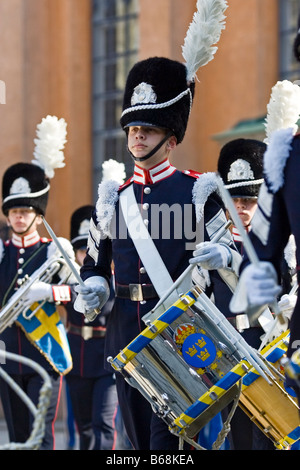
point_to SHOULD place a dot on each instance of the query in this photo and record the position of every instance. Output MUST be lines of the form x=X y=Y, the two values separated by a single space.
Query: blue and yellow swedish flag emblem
x=46 y=331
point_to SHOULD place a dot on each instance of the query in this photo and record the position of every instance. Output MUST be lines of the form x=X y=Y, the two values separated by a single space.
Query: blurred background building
x=70 y=58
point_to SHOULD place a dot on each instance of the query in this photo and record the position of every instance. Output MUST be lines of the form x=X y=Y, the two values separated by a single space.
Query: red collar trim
x=236 y=234
x=153 y=175
x=26 y=241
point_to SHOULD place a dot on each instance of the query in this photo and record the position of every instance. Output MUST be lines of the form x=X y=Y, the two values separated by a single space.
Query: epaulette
x=192 y=173
x=46 y=240
x=108 y=195
x=204 y=186
x=126 y=184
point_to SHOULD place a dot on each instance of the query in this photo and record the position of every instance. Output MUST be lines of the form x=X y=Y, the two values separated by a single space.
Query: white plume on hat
x=203 y=33
x=49 y=144
x=283 y=108
x=280 y=125
x=113 y=170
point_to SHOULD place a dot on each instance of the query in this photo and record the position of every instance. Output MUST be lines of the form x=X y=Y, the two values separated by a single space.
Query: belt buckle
x=87 y=332
x=136 y=293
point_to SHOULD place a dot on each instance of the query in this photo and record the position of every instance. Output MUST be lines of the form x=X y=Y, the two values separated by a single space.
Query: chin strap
x=28 y=228
x=153 y=151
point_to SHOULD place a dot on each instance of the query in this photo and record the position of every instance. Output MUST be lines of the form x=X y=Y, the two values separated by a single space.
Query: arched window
x=115 y=46
x=289 y=11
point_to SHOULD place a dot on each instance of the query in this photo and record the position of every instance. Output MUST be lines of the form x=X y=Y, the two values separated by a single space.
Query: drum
x=184 y=365
x=271 y=407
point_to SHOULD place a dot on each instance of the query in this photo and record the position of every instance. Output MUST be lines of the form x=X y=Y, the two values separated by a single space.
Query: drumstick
x=178 y=281
x=268 y=334
x=231 y=333
x=90 y=316
x=294 y=289
x=246 y=240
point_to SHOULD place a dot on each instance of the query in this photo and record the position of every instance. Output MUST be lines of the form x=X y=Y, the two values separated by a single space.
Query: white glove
x=287 y=304
x=38 y=291
x=64 y=273
x=257 y=287
x=211 y=255
x=93 y=295
x=262 y=284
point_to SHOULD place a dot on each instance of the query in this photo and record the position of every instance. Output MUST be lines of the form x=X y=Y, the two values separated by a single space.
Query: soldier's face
x=143 y=139
x=80 y=255
x=23 y=220
x=245 y=208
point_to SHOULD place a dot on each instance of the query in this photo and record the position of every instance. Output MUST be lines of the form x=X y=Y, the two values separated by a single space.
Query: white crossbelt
x=145 y=246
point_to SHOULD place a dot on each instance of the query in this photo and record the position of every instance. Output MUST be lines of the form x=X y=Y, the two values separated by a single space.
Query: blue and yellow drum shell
x=272 y=407
x=185 y=366
x=180 y=357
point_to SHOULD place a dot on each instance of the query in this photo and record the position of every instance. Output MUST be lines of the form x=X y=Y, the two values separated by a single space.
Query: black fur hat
x=240 y=165
x=157 y=94
x=80 y=222
x=296 y=45
x=25 y=185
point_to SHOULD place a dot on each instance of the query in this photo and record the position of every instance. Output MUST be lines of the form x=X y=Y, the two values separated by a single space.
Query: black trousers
x=145 y=430
x=94 y=402
x=244 y=433
x=19 y=418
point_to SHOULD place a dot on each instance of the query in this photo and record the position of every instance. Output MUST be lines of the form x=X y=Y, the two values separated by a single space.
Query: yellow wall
x=45 y=61
x=235 y=86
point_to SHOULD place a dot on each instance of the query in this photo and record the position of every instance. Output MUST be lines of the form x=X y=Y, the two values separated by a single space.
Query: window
x=289 y=11
x=115 y=48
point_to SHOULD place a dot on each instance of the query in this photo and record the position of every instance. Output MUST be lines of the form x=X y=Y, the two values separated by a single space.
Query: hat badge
x=240 y=170
x=143 y=94
x=20 y=186
x=84 y=227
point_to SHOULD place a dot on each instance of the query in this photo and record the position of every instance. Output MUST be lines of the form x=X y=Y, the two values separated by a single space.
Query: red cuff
x=61 y=293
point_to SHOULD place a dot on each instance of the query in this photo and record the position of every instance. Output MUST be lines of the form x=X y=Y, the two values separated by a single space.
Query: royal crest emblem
x=196 y=348
x=240 y=170
x=143 y=94
x=20 y=186
x=84 y=227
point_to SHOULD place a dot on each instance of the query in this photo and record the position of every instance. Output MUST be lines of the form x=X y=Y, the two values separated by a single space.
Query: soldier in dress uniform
x=276 y=218
x=240 y=166
x=42 y=338
x=156 y=108
x=92 y=387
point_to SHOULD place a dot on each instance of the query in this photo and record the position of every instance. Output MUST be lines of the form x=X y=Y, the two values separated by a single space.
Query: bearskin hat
x=157 y=94
x=25 y=185
x=28 y=184
x=240 y=165
x=80 y=222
